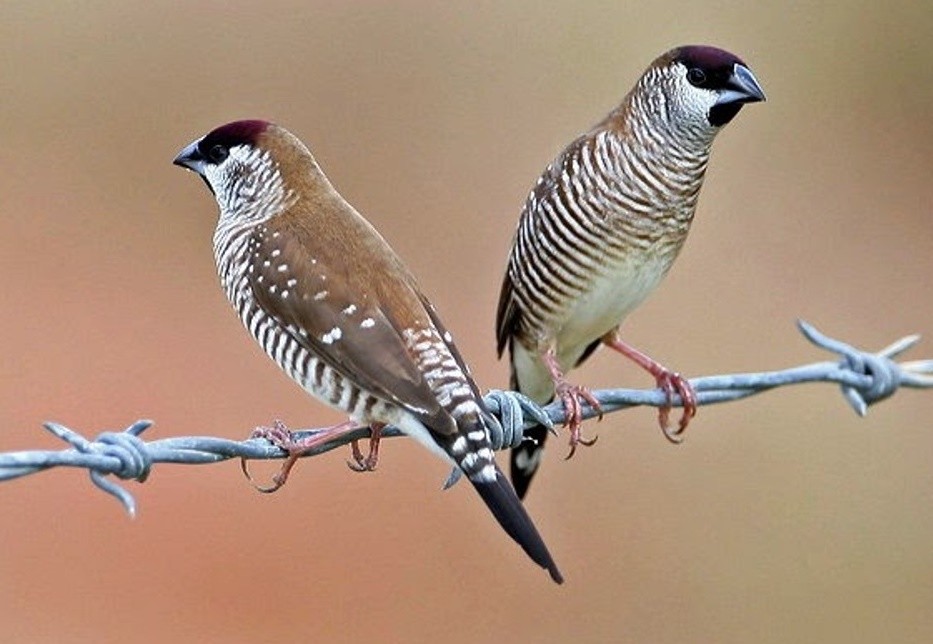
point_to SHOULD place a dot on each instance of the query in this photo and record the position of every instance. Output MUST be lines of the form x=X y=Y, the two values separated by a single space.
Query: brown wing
x=338 y=316
x=507 y=314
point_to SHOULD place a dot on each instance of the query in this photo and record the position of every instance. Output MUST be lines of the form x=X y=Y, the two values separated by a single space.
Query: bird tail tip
x=502 y=501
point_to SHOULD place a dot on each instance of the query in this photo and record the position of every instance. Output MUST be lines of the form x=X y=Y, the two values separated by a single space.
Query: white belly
x=605 y=305
x=611 y=298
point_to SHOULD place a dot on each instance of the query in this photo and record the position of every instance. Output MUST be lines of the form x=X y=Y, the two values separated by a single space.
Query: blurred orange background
x=782 y=518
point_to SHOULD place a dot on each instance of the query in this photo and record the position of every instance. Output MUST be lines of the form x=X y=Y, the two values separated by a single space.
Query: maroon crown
x=233 y=134
x=706 y=57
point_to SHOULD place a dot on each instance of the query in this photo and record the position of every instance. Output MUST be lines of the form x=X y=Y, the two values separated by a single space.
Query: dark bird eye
x=217 y=153
x=696 y=76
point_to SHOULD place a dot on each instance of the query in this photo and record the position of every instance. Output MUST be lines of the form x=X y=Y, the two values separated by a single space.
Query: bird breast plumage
x=579 y=266
x=610 y=297
x=282 y=343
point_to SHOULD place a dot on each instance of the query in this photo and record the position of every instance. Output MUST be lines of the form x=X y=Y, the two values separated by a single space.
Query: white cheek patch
x=698 y=101
x=248 y=186
x=212 y=175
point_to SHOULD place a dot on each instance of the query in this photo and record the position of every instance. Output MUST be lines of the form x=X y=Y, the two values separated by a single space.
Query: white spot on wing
x=332 y=336
x=320 y=295
x=350 y=310
x=368 y=323
x=282 y=268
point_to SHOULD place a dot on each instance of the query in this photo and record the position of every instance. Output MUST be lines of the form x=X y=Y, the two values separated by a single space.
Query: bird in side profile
x=333 y=305
x=601 y=228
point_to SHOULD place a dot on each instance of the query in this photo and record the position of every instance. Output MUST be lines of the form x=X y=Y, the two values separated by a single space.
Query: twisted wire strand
x=864 y=378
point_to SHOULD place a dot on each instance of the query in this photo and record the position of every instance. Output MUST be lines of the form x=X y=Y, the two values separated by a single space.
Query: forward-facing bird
x=601 y=228
x=332 y=304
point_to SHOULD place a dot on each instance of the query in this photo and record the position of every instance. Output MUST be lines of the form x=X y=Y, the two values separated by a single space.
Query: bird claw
x=283 y=438
x=369 y=462
x=571 y=396
x=673 y=383
x=579 y=440
x=280 y=436
x=669 y=382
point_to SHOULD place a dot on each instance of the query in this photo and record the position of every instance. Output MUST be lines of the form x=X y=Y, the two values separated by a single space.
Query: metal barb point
x=881 y=376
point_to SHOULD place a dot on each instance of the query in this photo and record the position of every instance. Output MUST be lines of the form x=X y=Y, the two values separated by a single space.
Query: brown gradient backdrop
x=782 y=518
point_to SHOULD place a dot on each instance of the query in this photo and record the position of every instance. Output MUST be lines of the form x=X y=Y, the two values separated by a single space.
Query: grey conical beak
x=191 y=158
x=742 y=87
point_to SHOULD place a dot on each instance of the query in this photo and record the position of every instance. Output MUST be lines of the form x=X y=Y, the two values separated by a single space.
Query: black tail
x=525 y=459
x=501 y=499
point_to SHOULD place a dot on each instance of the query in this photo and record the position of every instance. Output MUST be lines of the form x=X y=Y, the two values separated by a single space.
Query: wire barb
x=865 y=379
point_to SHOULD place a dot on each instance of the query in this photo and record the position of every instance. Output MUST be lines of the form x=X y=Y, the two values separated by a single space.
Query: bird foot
x=283 y=438
x=369 y=462
x=673 y=383
x=669 y=382
x=571 y=396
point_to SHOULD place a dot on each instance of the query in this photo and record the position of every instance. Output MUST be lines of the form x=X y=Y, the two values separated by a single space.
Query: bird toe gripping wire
x=865 y=379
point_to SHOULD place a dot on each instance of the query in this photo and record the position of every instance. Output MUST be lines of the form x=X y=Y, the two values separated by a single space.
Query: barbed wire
x=865 y=379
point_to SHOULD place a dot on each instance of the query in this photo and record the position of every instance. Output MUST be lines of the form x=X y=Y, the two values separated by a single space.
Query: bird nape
x=601 y=228
x=331 y=303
